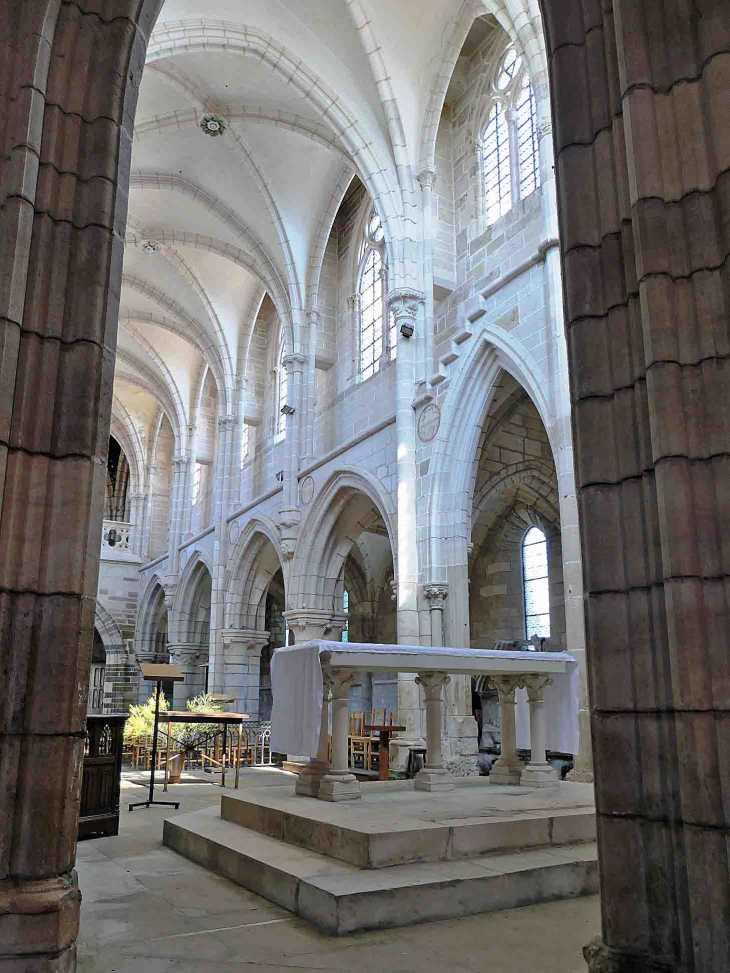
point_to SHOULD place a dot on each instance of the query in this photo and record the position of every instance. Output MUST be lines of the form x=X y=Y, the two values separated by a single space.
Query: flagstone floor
x=148 y=910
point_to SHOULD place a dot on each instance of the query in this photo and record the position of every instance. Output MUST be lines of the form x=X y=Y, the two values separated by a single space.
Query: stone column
x=179 y=476
x=508 y=768
x=339 y=784
x=188 y=656
x=136 y=518
x=310 y=777
x=538 y=773
x=242 y=667
x=426 y=178
x=434 y=776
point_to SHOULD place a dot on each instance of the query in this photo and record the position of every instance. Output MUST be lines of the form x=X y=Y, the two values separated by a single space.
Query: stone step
x=339 y=898
x=381 y=832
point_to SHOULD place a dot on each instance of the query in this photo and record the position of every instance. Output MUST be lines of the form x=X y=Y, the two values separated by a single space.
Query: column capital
x=544 y=127
x=535 y=685
x=506 y=686
x=436 y=594
x=187 y=653
x=341 y=682
x=294 y=362
x=315 y=623
x=433 y=683
x=240 y=641
x=352 y=301
x=404 y=302
x=426 y=176
x=313 y=315
x=179 y=463
x=226 y=421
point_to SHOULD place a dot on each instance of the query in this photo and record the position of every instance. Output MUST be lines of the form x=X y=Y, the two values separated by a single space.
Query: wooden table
x=222 y=719
x=384 y=757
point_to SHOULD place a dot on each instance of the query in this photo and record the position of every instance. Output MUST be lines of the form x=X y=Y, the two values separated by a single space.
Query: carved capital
x=315 y=623
x=179 y=464
x=313 y=316
x=404 y=303
x=341 y=681
x=294 y=362
x=427 y=176
x=352 y=301
x=545 y=127
x=436 y=594
x=226 y=422
x=506 y=685
x=186 y=655
x=535 y=685
x=433 y=683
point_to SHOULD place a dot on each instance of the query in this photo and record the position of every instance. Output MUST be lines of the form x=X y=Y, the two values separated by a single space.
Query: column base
x=539 y=775
x=340 y=787
x=603 y=959
x=580 y=776
x=39 y=923
x=310 y=778
x=433 y=779
x=399 y=748
x=506 y=771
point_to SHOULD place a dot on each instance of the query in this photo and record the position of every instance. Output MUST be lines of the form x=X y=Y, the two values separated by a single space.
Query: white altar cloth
x=296 y=682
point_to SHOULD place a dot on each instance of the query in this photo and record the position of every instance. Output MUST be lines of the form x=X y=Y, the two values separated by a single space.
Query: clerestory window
x=377 y=330
x=283 y=389
x=536 y=584
x=510 y=158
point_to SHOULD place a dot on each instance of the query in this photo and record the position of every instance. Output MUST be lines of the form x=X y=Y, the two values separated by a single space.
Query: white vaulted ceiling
x=312 y=92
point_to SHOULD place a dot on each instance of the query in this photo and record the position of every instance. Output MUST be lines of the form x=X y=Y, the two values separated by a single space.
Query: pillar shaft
x=339 y=784
x=434 y=776
x=508 y=768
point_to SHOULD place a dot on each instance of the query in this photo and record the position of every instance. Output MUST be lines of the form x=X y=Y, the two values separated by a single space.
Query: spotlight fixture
x=286 y=410
x=406 y=330
x=213 y=125
x=280 y=476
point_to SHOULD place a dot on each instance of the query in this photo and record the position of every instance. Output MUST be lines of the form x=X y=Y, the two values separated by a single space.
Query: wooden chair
x=358 y=742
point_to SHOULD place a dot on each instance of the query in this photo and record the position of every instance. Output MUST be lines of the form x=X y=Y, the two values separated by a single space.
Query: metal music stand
x=156 y=673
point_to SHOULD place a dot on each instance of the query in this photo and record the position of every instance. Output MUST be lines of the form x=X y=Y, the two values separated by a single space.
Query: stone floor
x=148 y=910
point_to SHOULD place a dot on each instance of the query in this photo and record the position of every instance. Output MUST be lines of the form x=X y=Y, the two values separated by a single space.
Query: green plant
x=141 y=721
x=186 y=737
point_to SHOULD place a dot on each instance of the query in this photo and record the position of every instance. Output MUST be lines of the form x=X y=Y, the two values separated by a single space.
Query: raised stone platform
x=399 y=856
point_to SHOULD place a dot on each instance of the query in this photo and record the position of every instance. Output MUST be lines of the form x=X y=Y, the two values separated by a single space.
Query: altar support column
x=309 y=779
x=339 y=784
x=434 y=776
x=538 y=773
x=508 y=767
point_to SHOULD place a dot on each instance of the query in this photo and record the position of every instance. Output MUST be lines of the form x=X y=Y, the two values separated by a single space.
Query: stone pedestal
x=508 y=767
x=538 y=773
x=339 y=784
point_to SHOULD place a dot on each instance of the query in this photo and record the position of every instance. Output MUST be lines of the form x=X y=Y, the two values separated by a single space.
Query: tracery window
x=510 y=158
x=244 y=443
x=197 y=482
x=377 y=332
x=283 y=389
x=345 y=608
x=536 y=584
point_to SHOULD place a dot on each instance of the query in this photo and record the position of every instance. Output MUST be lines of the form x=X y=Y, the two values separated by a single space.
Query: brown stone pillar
x=641 y=99
x=67 y=98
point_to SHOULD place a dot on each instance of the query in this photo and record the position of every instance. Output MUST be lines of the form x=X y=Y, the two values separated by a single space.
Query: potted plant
x=187 y=738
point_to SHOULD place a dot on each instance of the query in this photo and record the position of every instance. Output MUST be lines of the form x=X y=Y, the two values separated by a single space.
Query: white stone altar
x=305 y=676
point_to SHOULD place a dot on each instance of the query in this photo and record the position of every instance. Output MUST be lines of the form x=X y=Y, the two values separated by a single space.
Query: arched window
x=377 y=342
x=345 y=608
x=245 y=429
x=510 y=157
x=497 y=169
x=536 y=585
x=528 y=154
x=283 y=388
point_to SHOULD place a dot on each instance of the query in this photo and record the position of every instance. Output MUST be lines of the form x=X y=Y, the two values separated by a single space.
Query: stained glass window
x=535 y=580
x=496 y=161
x=510 y=66
x=371 y=311
x=527 y=145
x=197 y=478
x=283 y=390
x=345 y=609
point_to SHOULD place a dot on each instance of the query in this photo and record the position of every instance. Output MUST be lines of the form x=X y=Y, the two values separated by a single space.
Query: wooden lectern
x=156 y=673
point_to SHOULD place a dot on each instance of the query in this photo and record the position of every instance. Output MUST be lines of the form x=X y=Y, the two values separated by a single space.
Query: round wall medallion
x=234 y=532
x=306 y=490
x=429 y=422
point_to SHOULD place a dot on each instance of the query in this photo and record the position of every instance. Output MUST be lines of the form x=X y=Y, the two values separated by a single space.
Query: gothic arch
x=254 y=561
